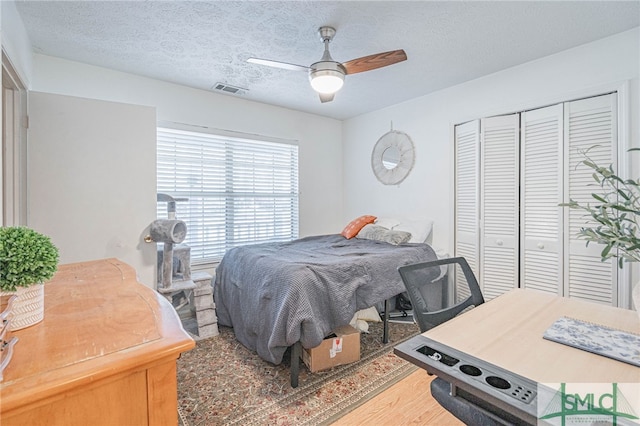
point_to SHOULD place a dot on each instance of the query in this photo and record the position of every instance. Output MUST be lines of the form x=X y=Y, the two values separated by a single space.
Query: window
x=230 y=191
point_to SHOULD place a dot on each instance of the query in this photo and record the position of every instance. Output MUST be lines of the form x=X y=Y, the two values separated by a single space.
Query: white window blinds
x=237 y=191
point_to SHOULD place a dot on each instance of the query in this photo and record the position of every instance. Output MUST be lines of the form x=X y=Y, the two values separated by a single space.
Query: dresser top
x=98 y=320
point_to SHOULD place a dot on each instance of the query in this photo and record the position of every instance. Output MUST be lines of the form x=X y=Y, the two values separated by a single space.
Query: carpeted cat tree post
x=172 y=232
x=174 y=270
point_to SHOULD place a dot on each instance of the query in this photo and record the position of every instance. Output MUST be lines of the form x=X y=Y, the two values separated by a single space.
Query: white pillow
x=419 y=229
x=361 y=317
x=387 y=222
x=369 y=314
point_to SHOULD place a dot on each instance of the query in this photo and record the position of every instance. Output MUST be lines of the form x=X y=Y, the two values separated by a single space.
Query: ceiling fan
x=326 y=75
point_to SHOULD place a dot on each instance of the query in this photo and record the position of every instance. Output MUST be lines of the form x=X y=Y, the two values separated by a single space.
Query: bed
x=275 y=295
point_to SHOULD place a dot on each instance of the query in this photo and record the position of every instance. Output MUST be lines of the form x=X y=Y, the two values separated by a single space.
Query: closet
x=511 y=173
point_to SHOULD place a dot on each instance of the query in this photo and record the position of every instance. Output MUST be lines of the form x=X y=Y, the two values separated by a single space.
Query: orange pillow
x=352 y=229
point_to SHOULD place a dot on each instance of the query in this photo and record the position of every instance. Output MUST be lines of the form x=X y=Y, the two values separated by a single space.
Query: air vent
x=227 y=88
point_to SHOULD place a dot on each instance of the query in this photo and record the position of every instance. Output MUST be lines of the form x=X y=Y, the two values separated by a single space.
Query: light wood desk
x=105 y=353
x=507 y=332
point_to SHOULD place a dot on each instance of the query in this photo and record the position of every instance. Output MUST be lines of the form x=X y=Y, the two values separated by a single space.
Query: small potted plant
x=615 y=211
x=27 y=260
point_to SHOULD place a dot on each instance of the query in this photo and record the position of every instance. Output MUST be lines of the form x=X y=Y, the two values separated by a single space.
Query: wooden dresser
x=105 y=353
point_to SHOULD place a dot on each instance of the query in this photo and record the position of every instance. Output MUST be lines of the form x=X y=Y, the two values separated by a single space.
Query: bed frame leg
x=296 y=350
x=385 y=329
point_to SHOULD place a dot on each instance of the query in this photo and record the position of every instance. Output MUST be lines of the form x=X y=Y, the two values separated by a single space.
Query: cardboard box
x=342 y=347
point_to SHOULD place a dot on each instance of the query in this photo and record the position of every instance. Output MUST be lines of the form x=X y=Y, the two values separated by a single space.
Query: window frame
x=275 y=163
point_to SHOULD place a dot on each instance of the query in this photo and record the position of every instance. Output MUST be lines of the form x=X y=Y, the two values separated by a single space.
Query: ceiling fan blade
x=326 y=97
x=372 y=62
x=277 y=64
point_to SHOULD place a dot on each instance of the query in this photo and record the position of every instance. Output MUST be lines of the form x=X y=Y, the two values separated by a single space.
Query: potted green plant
x=616 y=212
x=27 y=260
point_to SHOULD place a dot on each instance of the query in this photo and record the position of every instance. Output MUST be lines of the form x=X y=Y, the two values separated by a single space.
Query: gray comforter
x=276 y=294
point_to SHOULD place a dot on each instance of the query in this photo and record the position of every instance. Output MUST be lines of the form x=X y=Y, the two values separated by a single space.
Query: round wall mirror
x=392 y=157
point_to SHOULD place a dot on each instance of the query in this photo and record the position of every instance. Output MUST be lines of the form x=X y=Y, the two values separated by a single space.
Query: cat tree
x=174 y=269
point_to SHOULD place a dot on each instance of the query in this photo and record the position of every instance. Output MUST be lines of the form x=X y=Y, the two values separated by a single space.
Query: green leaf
x=614 y=216
x=26 y=257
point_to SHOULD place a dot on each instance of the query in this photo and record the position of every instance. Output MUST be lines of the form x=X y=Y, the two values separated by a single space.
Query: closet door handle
x=499 y=242
x=540 y=246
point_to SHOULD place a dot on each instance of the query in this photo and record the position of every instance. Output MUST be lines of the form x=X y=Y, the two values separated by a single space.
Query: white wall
x=336 y=180
x=320 y=149
x=92 y=180
x=429 y=120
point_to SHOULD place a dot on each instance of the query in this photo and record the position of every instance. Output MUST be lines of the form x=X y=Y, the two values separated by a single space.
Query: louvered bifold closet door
x=467 y=169
x=499 y=204
x=589 y=123
x=541 y=193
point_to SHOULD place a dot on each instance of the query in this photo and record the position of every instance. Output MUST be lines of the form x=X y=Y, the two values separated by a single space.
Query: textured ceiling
x=199 y=44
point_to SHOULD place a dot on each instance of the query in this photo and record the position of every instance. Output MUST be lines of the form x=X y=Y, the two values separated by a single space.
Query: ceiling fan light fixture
x=326 y=75
x=326 y=81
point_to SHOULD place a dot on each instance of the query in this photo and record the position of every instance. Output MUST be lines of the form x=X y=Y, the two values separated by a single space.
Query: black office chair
x=427 y=284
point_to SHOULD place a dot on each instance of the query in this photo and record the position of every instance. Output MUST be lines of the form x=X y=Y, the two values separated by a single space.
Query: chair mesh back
x=461 y=285
x=429 y=287
x=439 y=290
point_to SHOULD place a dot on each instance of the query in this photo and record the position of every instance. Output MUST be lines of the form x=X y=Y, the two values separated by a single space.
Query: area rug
x=220 y=382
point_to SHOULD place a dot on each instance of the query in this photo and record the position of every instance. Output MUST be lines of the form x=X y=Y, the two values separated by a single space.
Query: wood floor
x=408 y=402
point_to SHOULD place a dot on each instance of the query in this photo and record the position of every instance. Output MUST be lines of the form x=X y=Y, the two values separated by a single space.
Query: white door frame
x=13 y=157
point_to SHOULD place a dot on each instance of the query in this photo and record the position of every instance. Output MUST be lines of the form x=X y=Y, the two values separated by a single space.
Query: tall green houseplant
x=616 y=210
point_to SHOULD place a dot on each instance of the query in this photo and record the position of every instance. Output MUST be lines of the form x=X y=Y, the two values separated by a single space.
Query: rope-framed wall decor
x=393 y=157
